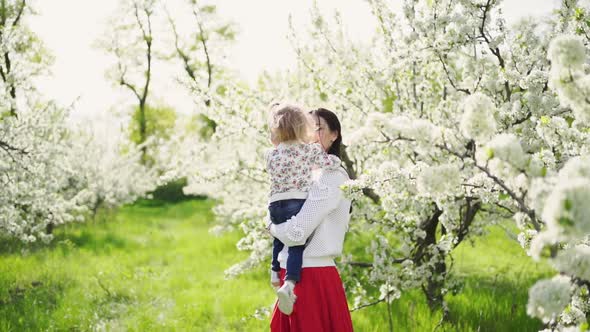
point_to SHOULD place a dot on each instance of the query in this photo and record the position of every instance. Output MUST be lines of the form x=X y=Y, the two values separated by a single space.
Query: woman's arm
x=324 y=197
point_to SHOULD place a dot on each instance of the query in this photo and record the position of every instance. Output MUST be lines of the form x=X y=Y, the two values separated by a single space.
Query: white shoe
x=286 y=297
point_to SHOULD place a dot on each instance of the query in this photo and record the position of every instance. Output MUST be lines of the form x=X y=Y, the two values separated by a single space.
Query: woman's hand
x=275 y=279
x=267 y=224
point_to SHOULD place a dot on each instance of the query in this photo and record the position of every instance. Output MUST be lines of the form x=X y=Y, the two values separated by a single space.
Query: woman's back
x=323 y=219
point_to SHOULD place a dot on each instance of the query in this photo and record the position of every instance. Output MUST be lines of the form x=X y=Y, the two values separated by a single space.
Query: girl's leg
x=294 y=262
x=277 y=247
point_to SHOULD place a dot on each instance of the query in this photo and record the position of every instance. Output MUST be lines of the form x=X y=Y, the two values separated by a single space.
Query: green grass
x=496 y=275
x=154 y=267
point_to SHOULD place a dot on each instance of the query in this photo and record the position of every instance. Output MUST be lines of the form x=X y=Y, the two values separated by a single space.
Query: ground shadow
x=97 y=241
x=29 y=306
x=494 y=305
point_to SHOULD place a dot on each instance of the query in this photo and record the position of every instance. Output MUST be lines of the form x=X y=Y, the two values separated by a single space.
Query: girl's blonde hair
x=288 y=122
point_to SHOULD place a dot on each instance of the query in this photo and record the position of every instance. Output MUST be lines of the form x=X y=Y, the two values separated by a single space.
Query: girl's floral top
x=290 y=166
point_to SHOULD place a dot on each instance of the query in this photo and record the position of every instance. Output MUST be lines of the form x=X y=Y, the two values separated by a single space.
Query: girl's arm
x=321 y=159
x=324 y=197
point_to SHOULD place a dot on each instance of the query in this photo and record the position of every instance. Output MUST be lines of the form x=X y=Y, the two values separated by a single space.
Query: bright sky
x=70 y=28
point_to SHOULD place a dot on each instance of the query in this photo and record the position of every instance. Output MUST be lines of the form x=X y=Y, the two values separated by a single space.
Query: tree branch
x=19 y=14
x=9 y=148
x=203 y=41
x=495 y=50
x=519 y=201
x=353 y=176
x=466 y=91
x=183 y=56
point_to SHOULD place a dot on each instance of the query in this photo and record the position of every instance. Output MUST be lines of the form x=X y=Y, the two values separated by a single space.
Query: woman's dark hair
x=333 y=125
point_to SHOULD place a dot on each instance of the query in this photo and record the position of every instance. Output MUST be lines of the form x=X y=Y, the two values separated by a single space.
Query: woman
x=319 y=298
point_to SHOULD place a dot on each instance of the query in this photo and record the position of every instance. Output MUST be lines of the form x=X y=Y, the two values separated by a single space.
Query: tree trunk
x=142 y=132
x=433 y=288
x=49 y=228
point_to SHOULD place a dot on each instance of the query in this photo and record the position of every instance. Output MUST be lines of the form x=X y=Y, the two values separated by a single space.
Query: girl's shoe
x=286 y=297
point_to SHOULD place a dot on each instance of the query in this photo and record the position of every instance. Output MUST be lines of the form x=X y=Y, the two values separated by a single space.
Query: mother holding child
x=308 y=218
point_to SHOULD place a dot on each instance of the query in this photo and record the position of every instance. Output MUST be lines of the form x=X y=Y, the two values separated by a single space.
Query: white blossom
x=477 y=121
x=574 y=261
x=567 y=51
x=507 y=148
x=568 y=54
x=439 y=180
x=548 y=298
x=576 y=167
x=567 y=207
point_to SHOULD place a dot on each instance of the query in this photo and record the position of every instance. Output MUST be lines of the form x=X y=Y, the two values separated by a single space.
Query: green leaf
x=226 y=32
x=4 y=114
x=159 y=122
x=567 y=204
x=545 y=252
x=545 y=119
x=578 y=13
x=565 y=222
x=388 y=104
x=204 y=125
x=503 y=196
x=221 y=90
x=380 y=215
x=323 y=96
x=490 y=153
x=209 y=9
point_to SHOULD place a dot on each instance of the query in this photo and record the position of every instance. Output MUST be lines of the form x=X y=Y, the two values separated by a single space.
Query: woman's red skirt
x=320 y=307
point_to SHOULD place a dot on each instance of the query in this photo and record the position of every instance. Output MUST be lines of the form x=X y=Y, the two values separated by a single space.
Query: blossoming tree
x=469 y=122
x=51 y=172
x=454 y=121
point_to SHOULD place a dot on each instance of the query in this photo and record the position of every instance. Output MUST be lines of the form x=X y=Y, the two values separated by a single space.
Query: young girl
x=289 y=165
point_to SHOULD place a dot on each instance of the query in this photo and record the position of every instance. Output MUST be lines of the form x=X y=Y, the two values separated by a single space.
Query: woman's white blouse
x=327 y=212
